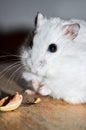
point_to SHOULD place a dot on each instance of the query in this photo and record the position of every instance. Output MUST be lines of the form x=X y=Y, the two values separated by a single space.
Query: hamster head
x=53 y=37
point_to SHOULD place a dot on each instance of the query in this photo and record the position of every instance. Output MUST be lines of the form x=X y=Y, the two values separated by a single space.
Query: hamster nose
x=42 y=63
x=37 y=66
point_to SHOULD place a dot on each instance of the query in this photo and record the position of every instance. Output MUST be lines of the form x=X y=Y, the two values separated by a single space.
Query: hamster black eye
x=52 y=48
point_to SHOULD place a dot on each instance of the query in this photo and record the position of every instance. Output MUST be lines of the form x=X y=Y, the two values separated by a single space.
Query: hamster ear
x=71 y=31
x=39 y=20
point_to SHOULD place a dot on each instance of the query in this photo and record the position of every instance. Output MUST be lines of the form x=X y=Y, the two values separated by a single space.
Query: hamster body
x=56 y=63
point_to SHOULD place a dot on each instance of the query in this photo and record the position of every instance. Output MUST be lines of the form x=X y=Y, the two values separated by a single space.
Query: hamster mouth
x=28 y=69
x=34 y=72
x=38 y=74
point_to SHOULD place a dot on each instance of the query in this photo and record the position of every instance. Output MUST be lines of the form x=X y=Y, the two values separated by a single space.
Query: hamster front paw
x=35 y=85
x=44 y=91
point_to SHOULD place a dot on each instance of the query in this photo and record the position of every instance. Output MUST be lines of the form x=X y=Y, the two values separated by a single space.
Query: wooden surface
x=50 y=114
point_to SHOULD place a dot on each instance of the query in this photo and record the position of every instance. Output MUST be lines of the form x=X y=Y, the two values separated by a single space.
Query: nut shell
x=8 y=104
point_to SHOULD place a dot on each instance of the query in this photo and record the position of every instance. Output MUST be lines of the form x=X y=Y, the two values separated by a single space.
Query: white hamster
x=56 y=61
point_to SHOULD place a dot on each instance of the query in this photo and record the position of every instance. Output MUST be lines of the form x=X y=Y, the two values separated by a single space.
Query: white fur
x=62 y=72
